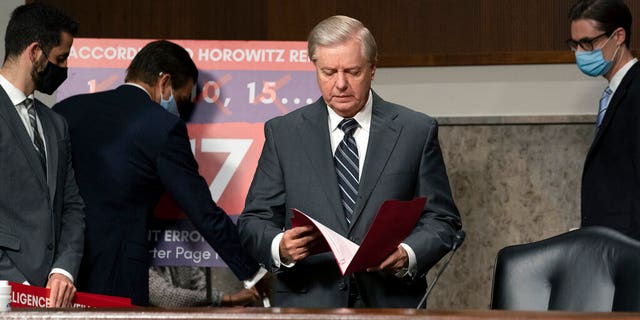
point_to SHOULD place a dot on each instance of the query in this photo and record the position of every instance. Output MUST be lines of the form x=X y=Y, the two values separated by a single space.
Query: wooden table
x=299 y=314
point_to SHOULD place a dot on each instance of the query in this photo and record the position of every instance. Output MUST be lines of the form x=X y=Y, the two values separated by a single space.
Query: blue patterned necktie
x=37 y=138
x=604 y=103
x=347 y=161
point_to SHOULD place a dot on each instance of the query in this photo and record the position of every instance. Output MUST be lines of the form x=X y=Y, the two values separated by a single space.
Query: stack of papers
x=393 y=223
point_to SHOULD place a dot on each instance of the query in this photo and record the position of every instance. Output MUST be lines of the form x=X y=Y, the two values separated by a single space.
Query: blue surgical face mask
x=593 y=63
x=170 y=104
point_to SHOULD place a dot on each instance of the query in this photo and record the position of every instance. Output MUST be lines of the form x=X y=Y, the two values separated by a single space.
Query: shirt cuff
x=62 y=272
x=249 y=283
x=411 y=266
x=275 y=252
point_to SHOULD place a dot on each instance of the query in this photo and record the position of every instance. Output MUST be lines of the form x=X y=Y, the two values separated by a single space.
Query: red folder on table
x=25 y=296
x=393 y=223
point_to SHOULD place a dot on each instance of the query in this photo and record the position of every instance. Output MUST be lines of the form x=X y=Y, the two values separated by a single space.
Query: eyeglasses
x=585 y=44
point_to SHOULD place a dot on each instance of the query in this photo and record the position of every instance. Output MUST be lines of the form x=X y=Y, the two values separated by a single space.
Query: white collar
x=617 y=78
x=363 y=116
x=16 y=95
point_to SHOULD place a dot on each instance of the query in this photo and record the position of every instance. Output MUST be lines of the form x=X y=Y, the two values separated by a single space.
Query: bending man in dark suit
x=400 y=159
x=128 y=150
x=600 y=34
x=41 y=217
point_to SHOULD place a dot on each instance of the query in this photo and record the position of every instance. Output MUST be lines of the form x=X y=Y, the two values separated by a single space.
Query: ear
x=165 y=80
x=620 y=35
x=34 y=51
x=164 y=83
x=373 y=71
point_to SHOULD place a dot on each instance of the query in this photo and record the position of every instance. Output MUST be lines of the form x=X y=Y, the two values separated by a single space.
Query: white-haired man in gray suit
x=338 y=160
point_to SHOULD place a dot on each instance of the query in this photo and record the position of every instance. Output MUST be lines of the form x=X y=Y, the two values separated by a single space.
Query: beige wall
x=509 y=90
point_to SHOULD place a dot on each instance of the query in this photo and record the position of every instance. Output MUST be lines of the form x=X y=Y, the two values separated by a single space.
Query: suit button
x=50 y=246
x=342 y=286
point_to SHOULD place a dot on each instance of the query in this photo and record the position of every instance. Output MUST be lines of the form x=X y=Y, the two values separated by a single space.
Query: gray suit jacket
x=41 y=219
x=296 y=170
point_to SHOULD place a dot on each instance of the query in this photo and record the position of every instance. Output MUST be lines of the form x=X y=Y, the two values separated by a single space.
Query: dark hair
x=609 y=14
x=166 y=57
x=36 y=22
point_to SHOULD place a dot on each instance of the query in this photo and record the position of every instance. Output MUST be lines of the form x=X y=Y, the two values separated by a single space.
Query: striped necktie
x=37 y=138
x=604 y=104
x=346 y=161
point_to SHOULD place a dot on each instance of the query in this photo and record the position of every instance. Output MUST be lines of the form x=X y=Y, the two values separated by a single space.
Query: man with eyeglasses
x=600 y=36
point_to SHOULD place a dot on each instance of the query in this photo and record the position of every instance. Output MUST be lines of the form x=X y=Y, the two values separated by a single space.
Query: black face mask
x=50 y=78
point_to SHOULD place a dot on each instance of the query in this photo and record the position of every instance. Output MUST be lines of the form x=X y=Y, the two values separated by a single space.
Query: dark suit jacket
x=296 y=170
x=41 y=219
x=127 y=151
x=611 y=176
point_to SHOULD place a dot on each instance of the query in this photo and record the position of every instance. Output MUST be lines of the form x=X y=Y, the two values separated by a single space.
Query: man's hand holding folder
x=298 y=243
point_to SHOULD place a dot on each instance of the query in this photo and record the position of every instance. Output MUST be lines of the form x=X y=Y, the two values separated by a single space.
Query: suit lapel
x=52 y=150
x=383 y=135
x=13 y=121
x=616 y=99
x=314 y=137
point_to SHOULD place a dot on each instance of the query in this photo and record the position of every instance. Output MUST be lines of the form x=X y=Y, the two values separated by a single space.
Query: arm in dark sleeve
x=433 y=235
x=178 y=171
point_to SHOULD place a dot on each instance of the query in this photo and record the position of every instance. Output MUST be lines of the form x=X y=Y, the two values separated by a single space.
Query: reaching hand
x=62 y=291
x=241 y=298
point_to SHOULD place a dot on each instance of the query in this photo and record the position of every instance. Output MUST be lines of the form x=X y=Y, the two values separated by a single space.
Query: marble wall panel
x=513 y=183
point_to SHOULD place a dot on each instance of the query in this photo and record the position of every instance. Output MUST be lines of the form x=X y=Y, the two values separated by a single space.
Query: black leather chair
x=590 y=269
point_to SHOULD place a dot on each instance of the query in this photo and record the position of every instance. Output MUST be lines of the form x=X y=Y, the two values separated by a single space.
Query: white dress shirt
x=617 y=78
x=17 y=97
